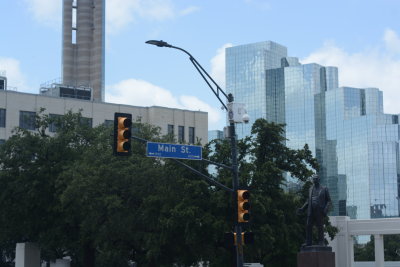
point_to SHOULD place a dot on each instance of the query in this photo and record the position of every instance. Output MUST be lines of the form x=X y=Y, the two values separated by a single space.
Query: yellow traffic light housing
x=243 y=206
x=230 y=239
x=122 y=134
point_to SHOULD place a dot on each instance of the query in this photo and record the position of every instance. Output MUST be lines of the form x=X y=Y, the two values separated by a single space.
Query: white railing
x=343 y=243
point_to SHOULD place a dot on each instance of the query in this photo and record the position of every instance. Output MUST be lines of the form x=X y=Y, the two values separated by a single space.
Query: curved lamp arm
x=207 y=78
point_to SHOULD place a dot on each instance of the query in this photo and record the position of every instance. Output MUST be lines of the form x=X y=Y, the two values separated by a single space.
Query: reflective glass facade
x=356 y=144
x=215 y=134
x=245 y=77
x=366 y=172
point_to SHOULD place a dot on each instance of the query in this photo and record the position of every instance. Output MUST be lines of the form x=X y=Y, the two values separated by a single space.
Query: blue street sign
x=161 y=150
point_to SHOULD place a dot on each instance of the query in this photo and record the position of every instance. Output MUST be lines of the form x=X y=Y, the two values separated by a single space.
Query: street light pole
x=235 y=174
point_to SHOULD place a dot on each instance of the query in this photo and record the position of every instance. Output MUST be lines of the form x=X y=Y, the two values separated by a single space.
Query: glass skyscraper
x=355 y=143
x=245 y=77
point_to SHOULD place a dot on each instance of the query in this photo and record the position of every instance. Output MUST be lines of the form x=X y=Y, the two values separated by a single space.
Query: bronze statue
x=317 y=207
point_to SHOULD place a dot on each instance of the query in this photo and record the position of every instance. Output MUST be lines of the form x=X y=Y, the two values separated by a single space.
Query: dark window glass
x=2 y=117
x=27 y=120
x=181 y=134
x=86 y=121
x=2 y=85
x=54 y=122
x=170 y=129
x=2 y=141
x=109 y=123
x=342 y=208
x=395 y=119
x=191 y=135
x=75 y=93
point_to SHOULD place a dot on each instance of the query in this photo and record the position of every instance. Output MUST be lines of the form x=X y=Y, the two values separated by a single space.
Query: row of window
x=181 y=133
x=27 y=121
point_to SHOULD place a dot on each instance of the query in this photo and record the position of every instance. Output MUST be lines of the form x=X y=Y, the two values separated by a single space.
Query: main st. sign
x=163 y=150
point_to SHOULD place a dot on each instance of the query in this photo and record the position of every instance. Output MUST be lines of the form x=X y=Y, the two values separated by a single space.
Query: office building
x=245 y=77
x=360 y=153
x=355 y=143
x=19 y=109
x=215 y=134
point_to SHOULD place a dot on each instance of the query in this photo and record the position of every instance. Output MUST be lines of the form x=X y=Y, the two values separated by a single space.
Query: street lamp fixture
x=160 y=43
x=230 y=108
x=207 y=78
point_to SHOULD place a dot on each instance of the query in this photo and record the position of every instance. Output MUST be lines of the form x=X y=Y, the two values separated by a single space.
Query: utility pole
x=233 y=118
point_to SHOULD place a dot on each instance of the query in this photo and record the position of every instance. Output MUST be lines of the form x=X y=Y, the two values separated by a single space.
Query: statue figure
x=317 y=207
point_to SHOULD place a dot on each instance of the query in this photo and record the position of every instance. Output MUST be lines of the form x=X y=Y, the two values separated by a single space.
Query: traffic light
x=122 y=134
x=231 y=240
x=243 y=206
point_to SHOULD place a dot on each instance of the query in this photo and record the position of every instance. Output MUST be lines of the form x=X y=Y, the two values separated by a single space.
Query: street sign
x=162 y=150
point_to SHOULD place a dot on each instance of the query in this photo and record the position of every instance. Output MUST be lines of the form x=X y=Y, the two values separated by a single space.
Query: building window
x=54 y=122
x=170 y=129
x=2 y=141
x=395 y=119
x=181 y=134
x=27 y=120
x=2 y=117
x=109 y=123
x=191 y=135
x=86 y=121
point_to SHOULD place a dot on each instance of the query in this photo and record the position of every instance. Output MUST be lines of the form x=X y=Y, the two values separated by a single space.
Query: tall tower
x=246 y=79
x=83 y=45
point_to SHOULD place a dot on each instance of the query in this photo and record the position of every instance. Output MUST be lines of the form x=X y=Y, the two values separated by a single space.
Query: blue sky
x=362 y=38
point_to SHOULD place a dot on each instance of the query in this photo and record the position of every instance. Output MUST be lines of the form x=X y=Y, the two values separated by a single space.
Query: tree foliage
x=366 y=251
x=72 y=196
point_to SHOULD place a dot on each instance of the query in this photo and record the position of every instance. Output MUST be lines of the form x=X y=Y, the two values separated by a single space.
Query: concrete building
x=3 y=80
x=83 y=46
x=19 y=109
x=82 y=84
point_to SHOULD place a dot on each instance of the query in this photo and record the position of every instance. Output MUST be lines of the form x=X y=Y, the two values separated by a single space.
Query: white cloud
x=373 y=67
x=392 y=41
x=142 y=93
x=47 y=12
x=120 y=13
x=218 y=66
x=156 y=9
x=15 y=78
x=193 y=103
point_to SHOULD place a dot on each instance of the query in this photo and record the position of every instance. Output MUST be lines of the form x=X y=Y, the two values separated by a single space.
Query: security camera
x=246 y=118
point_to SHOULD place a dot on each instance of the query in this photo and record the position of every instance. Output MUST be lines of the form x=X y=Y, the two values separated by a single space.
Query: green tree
x=366 y=251
x=72 y=196
x=264 y=159
x=68 y=193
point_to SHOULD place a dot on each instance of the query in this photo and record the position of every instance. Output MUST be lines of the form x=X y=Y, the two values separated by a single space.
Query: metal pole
x=235 y=184
x=235 y=174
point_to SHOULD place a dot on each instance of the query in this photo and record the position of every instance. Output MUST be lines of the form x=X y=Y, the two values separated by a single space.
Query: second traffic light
x=243 y=206
x=230 y=239
x=122 y=134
